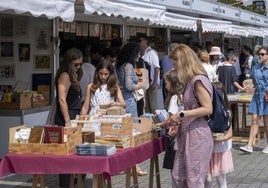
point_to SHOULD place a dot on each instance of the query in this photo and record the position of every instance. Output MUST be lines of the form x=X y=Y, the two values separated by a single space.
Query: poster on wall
x=24 y=52
x=7 y=49
x=7 y=71
x=78 y=28
x=108 y=32
x=60 y=26
x=42 y=63
x=21 y=26
x=42 y=38
x=73 y=27
x=94 y=29
x=85 y=29
x=6 y=27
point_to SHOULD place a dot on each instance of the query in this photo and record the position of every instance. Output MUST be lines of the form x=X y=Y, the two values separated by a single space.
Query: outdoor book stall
x=111 y=140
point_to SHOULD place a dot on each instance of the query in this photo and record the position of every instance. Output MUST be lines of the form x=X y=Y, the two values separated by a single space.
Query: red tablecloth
x=75 y=164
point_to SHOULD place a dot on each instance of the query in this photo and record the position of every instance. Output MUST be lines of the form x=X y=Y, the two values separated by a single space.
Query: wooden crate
x=45 y=90
x=74 y=137
x=25 y=103
x=142 y=125
x=36 y=104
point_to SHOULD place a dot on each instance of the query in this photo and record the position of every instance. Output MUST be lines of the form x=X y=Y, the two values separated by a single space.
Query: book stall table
x=240 y=127
x=102 y=167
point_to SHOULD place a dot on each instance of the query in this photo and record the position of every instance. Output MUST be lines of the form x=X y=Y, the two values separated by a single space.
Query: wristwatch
x=181 y=114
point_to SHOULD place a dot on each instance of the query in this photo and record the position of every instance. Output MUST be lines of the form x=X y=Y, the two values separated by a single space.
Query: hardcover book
x=54 y=134
x=36 y=135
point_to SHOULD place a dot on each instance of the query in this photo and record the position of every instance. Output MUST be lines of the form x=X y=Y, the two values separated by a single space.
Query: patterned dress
x=128 y=79
x=194 y=143
x=101 y=96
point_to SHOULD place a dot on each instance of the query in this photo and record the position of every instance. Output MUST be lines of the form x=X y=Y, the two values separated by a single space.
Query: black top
x=227 y=76
x=74 y=106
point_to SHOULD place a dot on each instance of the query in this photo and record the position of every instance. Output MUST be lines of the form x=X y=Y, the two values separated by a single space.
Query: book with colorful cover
x=95 y=149
x=54 y=134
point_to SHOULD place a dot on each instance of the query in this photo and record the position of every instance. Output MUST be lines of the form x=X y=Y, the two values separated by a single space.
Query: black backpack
x=218 y=121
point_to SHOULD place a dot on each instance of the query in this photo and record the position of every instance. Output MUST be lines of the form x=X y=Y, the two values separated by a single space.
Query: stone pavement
x=251 y=171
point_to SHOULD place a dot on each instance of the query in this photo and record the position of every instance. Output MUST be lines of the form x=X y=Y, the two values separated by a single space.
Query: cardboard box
x=74 y=137
x=143 y=130
x=25 y=103
x=115 y=111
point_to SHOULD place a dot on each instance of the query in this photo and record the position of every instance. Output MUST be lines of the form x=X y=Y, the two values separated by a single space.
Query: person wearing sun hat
x=215 y=57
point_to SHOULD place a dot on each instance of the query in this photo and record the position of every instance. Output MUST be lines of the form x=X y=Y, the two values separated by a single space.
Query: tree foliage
x=238 y=4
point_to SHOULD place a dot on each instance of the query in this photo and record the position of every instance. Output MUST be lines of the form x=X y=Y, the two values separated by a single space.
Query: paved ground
x=251 y=171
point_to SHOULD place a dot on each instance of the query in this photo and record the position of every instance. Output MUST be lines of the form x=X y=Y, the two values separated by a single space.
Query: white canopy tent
x=255 y=31
x=126 y=9
x=50 y=8
x=246 y=31
x=174 y=20
x=209 y=25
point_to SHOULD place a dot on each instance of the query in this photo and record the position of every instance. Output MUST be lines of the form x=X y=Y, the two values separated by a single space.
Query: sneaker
x=248 y=149
x=265 y=150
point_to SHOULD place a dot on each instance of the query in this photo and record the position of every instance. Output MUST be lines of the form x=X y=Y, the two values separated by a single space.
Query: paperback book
x=95 y=149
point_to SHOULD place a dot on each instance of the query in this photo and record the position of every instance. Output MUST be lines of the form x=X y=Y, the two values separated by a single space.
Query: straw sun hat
x=215 y=50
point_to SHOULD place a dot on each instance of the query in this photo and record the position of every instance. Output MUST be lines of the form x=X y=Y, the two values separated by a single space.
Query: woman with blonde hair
x=204 y=58
x=194 y=142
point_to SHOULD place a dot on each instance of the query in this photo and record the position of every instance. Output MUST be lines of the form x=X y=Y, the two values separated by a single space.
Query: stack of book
x=95 y=149
x=120 y=141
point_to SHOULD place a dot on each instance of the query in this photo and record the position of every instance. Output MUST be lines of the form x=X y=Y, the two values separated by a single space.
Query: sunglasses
x=77 y=64
x=262 y=54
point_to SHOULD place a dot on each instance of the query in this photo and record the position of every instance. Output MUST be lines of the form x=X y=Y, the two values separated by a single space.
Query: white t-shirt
x=210 y=71
x=174 y=106
x=151 y=57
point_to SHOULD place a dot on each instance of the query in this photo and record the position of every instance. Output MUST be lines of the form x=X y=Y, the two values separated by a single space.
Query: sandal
x=141 y=173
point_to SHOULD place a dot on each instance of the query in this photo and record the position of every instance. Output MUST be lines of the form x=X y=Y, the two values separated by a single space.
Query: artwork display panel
x=42 y=63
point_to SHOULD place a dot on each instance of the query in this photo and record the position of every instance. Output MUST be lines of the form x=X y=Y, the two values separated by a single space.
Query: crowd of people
x=194 y=155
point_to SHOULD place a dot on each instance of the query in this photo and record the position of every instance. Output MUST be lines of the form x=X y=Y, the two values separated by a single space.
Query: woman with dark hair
x=68 y=88
x=126 y=61
x=104 y=90
x=68 y=98
x=128 y=79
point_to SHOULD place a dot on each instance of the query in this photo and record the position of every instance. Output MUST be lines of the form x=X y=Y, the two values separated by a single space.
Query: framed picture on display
x=42 y=62
x=22 y=26
x=42 y=38
x=7 y=71
x=6 y=27
x=24 y=52
x=7 y=49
